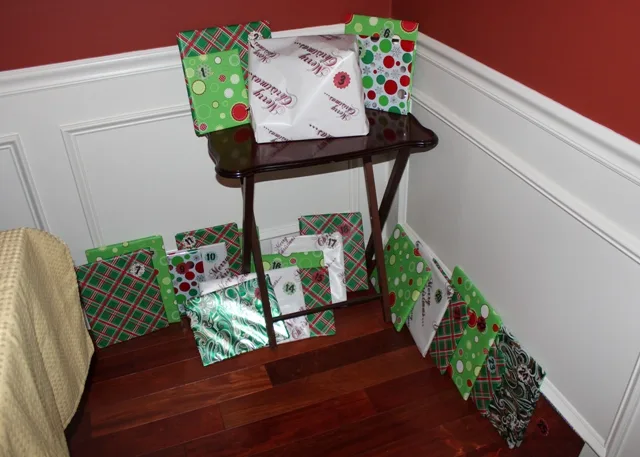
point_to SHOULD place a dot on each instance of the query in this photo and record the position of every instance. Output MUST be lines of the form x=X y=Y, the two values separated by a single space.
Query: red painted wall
x=583 y=54
x=38 y=32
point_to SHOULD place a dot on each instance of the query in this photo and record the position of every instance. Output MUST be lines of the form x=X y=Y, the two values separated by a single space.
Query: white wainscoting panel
x=539 y=206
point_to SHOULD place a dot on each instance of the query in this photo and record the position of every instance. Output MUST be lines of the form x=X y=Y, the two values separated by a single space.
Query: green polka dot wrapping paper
x=187 y=272
x=407 y=275
x=121 y=297
x=387 y=50
x=196 y=43
x=477 y=338
x=231 y=321
x=219 y=97
x=160 y=263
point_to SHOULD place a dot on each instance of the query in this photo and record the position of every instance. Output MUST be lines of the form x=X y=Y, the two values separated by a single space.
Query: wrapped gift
x=427 y=314
x=288 y=290
x=308 y=259
x=407 y=275
x=214 y=258
x=187 y=272
x=449 y=331
x=349 y=225
x=514 y=402
x=231 y=321
x=195 y=47
x=490 y=378
x=482 y=329
x=218 y=91
x=317 y=293
x=121 y=297
x=387 y=52
x=331 y=247
x=301 y=85
x=160 y=263
x=228 y=234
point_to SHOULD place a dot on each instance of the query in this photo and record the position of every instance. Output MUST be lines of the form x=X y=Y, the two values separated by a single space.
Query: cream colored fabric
x=45 y=348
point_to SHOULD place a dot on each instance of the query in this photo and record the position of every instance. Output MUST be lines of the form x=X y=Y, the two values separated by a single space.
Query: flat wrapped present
x=305 y=87
x=231 y=321
x=227 y=234
x=349 y=225
x=308 y=259
x=121 y=297
x=156 y=244
x=187 y=272
x=317 y=292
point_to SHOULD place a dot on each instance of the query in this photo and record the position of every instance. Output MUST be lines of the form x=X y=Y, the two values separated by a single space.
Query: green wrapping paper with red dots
x=309 y=259
x=478 y=337
x=407 y=275
x=387 y=51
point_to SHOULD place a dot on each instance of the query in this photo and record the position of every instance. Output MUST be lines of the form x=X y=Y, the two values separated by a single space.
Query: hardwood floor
x=364 y=392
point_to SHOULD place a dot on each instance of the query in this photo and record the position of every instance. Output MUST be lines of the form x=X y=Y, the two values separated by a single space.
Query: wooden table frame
x=414 y=138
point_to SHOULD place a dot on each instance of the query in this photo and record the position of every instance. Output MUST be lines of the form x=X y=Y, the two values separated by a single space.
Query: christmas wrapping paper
x=477 y=338
x=317 y=292
x=301 y=86
x=309 y=259
x=349 y=225
x=490 y=377
x=231 y=321
x=160 y=263
x=288 y=289
x=333 y=252
x=228 y=234
x=218 y=92
x=197 y=43
x=187 y=272
x=514 y=402
x=449 y=332
x=434 y=301
x=387 y=50
x=121 y=298
x=407 y=275
x=214 y=257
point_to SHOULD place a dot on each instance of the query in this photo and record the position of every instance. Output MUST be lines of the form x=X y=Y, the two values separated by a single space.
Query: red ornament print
x=405 y=80
x=239 y=112
x=391 y=87
x=388 y=62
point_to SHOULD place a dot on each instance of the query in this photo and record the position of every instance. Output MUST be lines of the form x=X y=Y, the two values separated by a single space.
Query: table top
x=237 y=155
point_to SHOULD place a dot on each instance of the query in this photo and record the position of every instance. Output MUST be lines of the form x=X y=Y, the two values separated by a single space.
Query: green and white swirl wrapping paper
x=231 y=321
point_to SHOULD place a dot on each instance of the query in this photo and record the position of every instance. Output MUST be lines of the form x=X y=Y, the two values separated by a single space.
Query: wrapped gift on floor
x=331 y=247
x=427 y=314
x=482 y=329
x=231 y=321
x=227 y=234
x=121 y=297
x=349 y=225
x=214 y=257
x=299 y=86
x=407 y=275
x=187 y=272
x=308 y=259
x=203 y=72
x=490 y=378
x=387 y=53
x=317 y=293
x=449 y=331
x=156 y=244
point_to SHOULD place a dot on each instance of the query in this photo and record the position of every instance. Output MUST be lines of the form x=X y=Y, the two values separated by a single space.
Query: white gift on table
x=305 y=87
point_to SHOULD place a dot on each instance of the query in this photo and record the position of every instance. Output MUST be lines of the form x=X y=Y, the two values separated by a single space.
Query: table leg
x=389 y=194
x=251 y=244
x=376 y=235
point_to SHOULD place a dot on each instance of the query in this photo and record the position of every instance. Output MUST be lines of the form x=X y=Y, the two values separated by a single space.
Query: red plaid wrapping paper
x=228 y=234
x=121 y=297
x=317 y=292
x=489 y=379
x=449 y=332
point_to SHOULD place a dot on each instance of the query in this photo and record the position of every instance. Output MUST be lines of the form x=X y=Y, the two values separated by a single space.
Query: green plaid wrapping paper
x=490 y=377
x=317 y=293
x=349 y=225
x=449 y=332
x=228 y=234
x=121 y=297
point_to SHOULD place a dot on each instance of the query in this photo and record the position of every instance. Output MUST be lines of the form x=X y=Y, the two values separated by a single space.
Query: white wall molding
x=83 y=71
x=629 y=408
x=548 y=389
x=70 y=134
x=610 y=149
x=13 y=145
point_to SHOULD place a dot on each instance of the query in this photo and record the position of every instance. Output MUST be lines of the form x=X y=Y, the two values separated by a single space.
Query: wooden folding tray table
x=237 y=156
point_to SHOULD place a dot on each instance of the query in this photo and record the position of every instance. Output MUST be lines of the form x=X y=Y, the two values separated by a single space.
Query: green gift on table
x=160 y=263
x=230 y=322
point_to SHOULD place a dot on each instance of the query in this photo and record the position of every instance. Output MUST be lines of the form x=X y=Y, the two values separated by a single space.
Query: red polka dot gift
x=307 y=87
x=387 y=52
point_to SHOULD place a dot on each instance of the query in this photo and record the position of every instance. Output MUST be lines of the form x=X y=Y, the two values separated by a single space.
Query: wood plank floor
x=364 y=392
